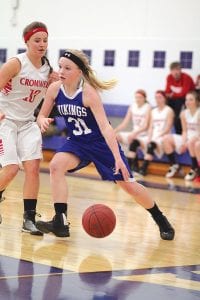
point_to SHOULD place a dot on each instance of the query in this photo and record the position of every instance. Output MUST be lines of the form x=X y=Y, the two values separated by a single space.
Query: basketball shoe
x=58 y=225
x=172 y=171
x=29 y=223
x=167 y=232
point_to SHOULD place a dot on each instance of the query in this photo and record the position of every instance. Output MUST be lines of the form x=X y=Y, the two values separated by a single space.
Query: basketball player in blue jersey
x=91 y=139
x=24 y=79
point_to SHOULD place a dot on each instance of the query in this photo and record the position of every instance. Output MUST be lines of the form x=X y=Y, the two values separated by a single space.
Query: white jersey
x=192 y=123
x=23 y=93
x=139 y=115
x=159 y=120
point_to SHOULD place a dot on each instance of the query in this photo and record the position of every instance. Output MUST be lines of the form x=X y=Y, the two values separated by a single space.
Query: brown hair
x=175 y=65
x=32 y=26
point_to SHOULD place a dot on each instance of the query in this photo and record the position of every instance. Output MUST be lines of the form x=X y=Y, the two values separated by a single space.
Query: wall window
x=88 y=53
x=21 y=50
x=109 y=58
x=159 y=59
x=186 y=59
x=133 y=58
x=3 y=55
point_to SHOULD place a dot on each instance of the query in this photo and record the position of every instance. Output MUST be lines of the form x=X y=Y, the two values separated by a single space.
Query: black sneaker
x=59 y=226
x=29 y=223
x=167 y=232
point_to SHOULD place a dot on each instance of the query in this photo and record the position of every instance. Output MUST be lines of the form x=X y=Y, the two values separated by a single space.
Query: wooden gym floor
x=132 y=263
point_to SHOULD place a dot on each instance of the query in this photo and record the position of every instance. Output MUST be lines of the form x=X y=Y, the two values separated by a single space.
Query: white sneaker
x=172 y=171
x=191 y=175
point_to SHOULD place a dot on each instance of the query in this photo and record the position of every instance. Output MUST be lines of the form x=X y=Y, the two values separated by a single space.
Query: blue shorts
x=97 y=152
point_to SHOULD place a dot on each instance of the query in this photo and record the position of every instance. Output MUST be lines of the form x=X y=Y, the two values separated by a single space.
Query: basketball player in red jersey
x=24 y=79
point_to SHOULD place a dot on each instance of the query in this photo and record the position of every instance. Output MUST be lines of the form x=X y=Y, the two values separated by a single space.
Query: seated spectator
x=190 y=120
x=178 y=84
x=161 y=123
x=139 y=114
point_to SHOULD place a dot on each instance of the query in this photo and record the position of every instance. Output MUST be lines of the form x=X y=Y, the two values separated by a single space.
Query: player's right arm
x=9 y=70
x=42 y=119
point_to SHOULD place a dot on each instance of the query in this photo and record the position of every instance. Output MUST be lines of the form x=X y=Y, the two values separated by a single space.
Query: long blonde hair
x=89 y=75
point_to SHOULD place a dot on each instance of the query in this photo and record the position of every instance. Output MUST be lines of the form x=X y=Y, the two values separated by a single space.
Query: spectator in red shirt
x=178 y=84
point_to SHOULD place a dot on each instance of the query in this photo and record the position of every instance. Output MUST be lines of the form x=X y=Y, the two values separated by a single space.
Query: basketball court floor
x=132 y=263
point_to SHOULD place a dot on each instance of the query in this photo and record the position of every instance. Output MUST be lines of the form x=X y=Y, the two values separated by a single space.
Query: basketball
x=99 y=220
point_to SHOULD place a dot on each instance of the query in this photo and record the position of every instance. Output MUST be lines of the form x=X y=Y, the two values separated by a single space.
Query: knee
x=11 y=171
x=134 y=145
x=56 y=167
x=151 y=147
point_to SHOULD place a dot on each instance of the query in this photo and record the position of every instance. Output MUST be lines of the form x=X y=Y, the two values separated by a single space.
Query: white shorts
x=19 y=141
x=124 y=143
x=178 y=141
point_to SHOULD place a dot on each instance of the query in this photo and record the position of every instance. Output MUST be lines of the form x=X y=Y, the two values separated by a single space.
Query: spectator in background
x=161 y=123
x=139 y=114
x=178 y=84
x=190 y=120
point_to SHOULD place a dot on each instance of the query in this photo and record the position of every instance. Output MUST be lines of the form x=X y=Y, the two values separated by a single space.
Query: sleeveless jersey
x=22 y=94
x=139 y=116
x=80 y=121
x=159 y=119
x=192 y=123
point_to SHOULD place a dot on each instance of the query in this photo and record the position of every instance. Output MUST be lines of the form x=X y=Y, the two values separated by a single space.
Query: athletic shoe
x=172 y=171
x=58 y=225
x=191 y=175
x=29 y=223
x=167 y=232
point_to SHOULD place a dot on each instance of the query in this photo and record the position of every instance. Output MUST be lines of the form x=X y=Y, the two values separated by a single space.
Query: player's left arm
x=93 y=101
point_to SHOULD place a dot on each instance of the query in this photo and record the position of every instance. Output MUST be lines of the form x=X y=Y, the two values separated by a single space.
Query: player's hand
x=44 y=124
x=120 y=166
x=53 y=77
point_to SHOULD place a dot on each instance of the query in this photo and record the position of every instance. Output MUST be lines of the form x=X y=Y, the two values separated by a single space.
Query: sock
x=155 y=211
x=171 y=157
x=30 y=204
x=145 y=165
x=194 y=163
x=60 y=208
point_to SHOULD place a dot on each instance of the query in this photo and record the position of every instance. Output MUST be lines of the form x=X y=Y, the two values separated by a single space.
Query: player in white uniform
x=190 y=121
x=161 y=123
x=139 y=114
x=23 y=82
x=197 y=155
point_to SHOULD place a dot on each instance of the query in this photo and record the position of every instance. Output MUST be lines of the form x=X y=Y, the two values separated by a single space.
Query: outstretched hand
x=44 y=124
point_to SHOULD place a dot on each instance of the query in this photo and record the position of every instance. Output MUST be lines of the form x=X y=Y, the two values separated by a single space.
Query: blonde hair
x=88 y=73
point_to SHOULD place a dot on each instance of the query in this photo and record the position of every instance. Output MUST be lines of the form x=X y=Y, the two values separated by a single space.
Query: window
x=88 y=53
x=186 y=59
x=133 y=58
x=159 y=59
x=3 y=55
x=109 y=58
x=21 y=50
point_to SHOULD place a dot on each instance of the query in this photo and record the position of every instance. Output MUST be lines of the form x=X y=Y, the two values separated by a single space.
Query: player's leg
x=151 y=147
x=170 y=143
x=30 y=195
x=59 y=165
x=194 y=167
x=197 y=154
x=141 y=195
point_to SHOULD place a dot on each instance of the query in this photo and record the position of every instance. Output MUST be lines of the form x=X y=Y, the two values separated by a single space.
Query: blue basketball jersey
x=85 y=139
x=79 y=119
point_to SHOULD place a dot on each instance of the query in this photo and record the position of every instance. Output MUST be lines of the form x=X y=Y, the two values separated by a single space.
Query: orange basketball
x=99 y=220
